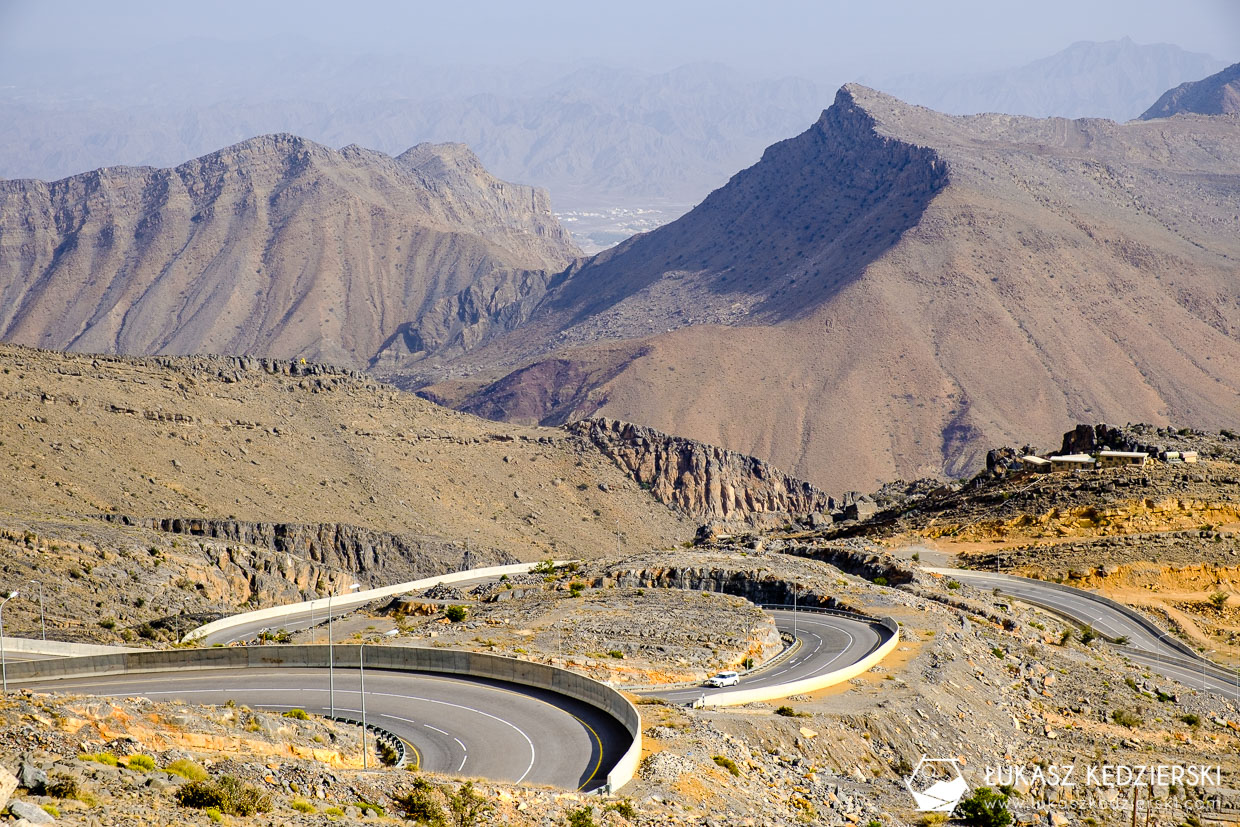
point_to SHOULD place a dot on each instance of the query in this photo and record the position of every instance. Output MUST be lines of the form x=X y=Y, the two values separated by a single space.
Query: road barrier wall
x=58 y=648
x=352 y=599
x=394 y=658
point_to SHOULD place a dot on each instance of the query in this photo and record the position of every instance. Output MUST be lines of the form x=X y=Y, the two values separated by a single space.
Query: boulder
x=33 y=814
x=32 y=777
x=8 y=783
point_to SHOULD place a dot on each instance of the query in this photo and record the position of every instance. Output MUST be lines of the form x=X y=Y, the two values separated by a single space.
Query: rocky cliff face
x=702 y=480
x=276 y=246
x=1219 y=94
x=332 y=548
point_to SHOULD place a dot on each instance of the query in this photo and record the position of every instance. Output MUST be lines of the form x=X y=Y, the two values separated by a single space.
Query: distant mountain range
x=884 y=295
x=1117 y=79
x=594 y=136
x=1218 y=94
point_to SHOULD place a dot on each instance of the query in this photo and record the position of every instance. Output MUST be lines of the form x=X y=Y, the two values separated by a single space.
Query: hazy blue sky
x=789 y=36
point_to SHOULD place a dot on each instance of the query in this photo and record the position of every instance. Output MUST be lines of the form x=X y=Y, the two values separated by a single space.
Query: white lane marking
x=528 y=740
x=520 y=731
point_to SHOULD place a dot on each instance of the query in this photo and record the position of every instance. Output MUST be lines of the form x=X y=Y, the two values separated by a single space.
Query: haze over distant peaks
x=1114 y=79
x=1218 y=94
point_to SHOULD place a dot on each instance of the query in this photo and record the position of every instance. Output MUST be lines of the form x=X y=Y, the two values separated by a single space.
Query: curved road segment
x=456 y=725
x=1148 y=647
x=828 y=642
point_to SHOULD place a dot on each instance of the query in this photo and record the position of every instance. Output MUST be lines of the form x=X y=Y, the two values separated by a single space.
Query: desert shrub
x=1088 y=635
x=51 y=809
x=368 y=807
x=466 y=806
x=302 y=806
x=624 y=807
x=107 y=758
x=985 y=808
x=388 y=754
x=107 y=623
x=545 y=567
x=1191 y=718
x=728 y=764
x=583 y=817
x=334 y=812
x=456 y=613
x=421 y=805
x=1123 y=717
x=144 y=763
x=932 y=819
x=576 y=588
x=880 y=581
x=1218 y=600
x=187 y=769
x=954 y=585
x=789 y=712
x=616 y=653
x=228 y=795
x=62 y=785
x=297 y=714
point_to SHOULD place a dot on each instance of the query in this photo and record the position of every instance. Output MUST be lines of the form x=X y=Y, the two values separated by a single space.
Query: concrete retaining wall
x=783 y=690
x=60 y=649
x=396 y=658
x=357 y=598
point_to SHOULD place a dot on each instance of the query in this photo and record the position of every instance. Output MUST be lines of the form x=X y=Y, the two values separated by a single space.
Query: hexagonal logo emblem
x=936 y=784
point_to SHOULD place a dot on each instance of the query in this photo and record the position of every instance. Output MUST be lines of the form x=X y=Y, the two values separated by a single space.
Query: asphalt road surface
x=828 y=642
x=460 y=726
x=1147 y=647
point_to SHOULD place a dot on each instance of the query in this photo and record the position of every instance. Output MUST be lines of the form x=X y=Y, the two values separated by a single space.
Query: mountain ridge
x=239 y=250
x=1047 y=239
x=1219 y=94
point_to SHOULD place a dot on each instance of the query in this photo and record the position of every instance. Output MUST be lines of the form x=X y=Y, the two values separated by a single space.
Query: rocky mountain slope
x=894 y=290
x=252 y=482
x=1218 y=94
x=276 y=246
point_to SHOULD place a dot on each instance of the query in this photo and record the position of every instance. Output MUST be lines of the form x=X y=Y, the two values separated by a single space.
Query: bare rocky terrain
x=274 y=247
x=945 y=275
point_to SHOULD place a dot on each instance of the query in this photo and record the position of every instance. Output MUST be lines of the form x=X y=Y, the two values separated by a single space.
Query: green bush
x=545 y=567
x=1191 y=718
x=187 y=769
x=1125 y=718
x=107 y=758
x=954 y=585
x=456 y=613
x=616 y=653
x=576 y=588
x=624 y=807
x=1088 y=635
x=228 y=795
x=985 y=808
x=107 y=623
x=583 y=817
x=728 y=764
x=143 y=763
x=62 y=785
x=880 y=581
x=368 y=807
x=302 y=806
x=467 y=806
x=297 y=714
x=789 y=712
x=421 y=805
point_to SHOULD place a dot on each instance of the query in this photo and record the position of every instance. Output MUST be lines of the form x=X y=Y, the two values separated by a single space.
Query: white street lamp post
x=795 y=588
x=4 y=667
x=331 y=654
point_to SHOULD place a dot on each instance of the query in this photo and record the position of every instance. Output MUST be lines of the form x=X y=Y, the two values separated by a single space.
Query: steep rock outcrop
x=378 y=555
x=701 y=480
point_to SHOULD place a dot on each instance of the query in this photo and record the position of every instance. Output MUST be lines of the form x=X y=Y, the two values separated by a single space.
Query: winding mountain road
x=827 y=642
x=456 y=725
x=1143 y=641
